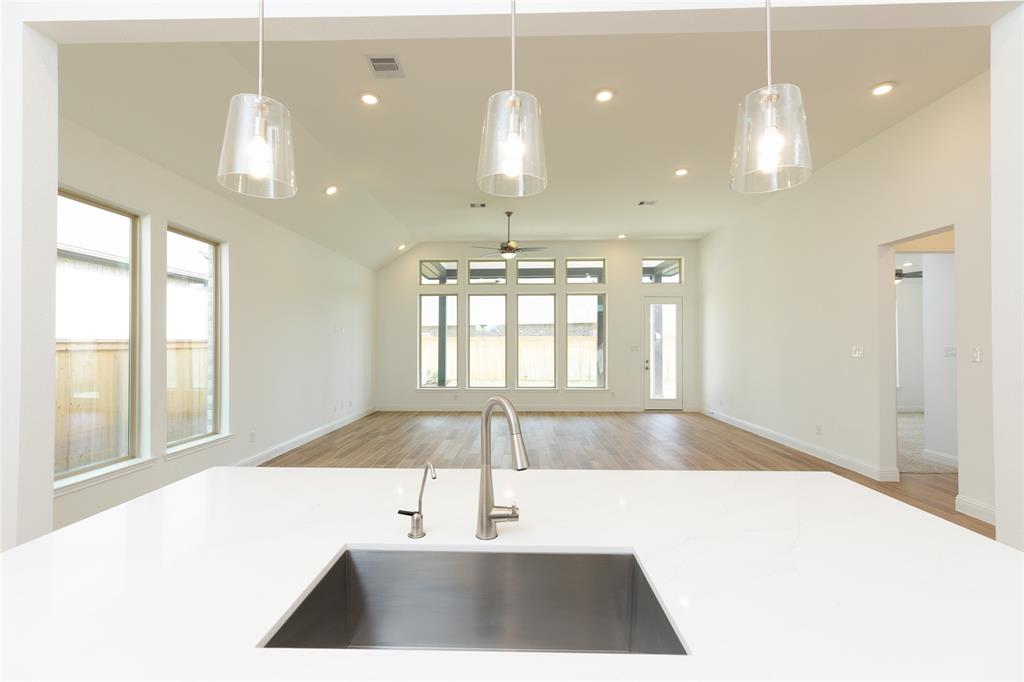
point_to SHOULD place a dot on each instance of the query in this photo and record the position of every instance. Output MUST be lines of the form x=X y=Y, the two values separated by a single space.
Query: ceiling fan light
x=508 y=255
x=771 y=150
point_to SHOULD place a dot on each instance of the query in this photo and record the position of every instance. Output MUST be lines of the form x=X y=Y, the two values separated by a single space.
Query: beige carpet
x=910 y=447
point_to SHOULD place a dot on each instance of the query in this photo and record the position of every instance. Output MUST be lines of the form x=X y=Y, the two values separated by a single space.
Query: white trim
x=66 y=486
x=196 y=445
x=939 y=457
x=837 y=458
x=301 y=439
x=977 y=509
x=909 y=409
x=471 y=407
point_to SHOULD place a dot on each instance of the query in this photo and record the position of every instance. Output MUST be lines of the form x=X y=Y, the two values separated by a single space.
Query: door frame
x=647 y=402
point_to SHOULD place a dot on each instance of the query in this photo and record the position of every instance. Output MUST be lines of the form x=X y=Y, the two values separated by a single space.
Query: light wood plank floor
x=595 y=440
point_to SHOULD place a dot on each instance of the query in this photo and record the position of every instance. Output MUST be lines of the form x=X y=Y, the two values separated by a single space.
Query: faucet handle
x=499 y=514
x=416 y=531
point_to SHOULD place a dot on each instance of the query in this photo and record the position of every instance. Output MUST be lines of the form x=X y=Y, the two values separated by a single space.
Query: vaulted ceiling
x=405 y=168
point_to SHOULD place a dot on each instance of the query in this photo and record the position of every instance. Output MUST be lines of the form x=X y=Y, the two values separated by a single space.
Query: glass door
x=663 y=353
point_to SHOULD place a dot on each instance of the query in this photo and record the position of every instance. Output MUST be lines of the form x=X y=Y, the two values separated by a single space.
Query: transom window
x=584 y=271
x=487 y=272
x=662 y=271
x=535 y=272
x=439 y=272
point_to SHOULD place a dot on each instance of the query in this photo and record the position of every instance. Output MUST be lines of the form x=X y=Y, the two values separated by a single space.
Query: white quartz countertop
x=791 y=575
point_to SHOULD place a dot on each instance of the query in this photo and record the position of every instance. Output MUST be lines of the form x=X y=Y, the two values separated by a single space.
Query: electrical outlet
x=252 y=435
x=817 y=429
x=335 y=408
x=857 y=352
x=350 y=403
x=949 y=351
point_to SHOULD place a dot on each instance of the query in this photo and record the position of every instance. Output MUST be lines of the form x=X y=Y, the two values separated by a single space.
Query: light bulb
x=259 y=157
x=769 y=149
x=512 y=152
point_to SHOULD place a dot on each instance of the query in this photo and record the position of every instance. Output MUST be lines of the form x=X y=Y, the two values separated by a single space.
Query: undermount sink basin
x=481 y=600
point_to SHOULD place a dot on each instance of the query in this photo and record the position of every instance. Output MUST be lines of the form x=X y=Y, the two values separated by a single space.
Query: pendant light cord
x=259 y=68
x=513 y=45
x=768 y=36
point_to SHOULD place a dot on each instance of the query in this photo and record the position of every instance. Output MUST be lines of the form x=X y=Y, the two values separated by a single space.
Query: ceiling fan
x=508 y=248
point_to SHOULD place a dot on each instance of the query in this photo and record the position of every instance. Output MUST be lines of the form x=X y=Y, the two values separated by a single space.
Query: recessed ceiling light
x=883 y=88
x=401 y=247
x=680 y=172
x=622 y=236
x=331 y=191
x=369 y=98
x=908 y=264
x=604 y=95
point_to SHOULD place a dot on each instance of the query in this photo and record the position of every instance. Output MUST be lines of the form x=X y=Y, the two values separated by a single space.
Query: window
x=486 y=341
x=536 y=341
x=535 y=272
x=439 y=338
x=439 y=272
x=662 y=271
x=585 y=336
x=487 y=272
x=192 y=339
x=584 y=271
x=95 y=339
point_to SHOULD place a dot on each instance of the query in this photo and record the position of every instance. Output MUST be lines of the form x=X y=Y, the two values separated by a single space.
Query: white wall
x=787 y=293
x=299 y=321
x=398 y=290
x=939 y=354
x=910 y=392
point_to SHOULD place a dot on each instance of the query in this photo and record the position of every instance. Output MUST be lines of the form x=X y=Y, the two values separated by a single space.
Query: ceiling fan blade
x=489 y=248
x=532 y=248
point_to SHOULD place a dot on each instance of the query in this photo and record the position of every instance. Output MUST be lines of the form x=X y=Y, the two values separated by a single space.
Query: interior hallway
x=597 y=440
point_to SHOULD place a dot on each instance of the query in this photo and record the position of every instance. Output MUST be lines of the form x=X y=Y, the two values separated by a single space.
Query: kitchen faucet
x=489 y=514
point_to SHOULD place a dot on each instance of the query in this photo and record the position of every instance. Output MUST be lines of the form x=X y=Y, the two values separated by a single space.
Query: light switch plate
x=949 y=351
x=976 y=354
x=857 y=352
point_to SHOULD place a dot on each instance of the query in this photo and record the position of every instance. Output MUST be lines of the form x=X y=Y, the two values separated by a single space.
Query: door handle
x=647 y=365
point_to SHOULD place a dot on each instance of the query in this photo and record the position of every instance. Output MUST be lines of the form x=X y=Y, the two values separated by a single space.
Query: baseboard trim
x=977 y=509
x=811 y=449
x=301 y=439
x=476 y=407
x=939 y=457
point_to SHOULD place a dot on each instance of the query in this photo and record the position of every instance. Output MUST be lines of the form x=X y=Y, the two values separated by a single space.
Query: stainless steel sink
x=481 y=600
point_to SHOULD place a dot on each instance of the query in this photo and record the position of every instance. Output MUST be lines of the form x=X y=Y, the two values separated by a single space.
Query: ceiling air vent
x=385 y=66
x=647 y=202
x=472 y=205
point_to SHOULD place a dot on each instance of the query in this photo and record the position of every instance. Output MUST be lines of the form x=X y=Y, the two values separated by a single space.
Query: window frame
x=528 y=283
x=604 y=271
x=134 y=338
x=441 y=260
x=469 y=346
x=419 y=343
x=602 y=334
x=554 y=343
x=218 y=349
x=682 y=272
x=469 y=272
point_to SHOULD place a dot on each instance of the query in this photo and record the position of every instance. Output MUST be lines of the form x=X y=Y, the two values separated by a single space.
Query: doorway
x=926 y=355
x=663 y=353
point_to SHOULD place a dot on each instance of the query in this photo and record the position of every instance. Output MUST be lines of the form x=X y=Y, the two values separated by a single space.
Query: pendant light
x=771 y=151
x=257 y=158
x=512 y=147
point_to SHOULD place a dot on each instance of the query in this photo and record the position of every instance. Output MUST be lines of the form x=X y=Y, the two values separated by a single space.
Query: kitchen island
x=765 y=575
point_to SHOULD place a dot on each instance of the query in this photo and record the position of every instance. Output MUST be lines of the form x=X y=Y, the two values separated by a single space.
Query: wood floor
x=596 y=440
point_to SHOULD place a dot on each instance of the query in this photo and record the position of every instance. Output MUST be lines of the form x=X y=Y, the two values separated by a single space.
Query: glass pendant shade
x=257 y=157
x=512 y=147
x=771 y=150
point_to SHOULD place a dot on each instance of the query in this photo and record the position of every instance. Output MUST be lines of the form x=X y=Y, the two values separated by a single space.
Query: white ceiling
x=406 y=168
